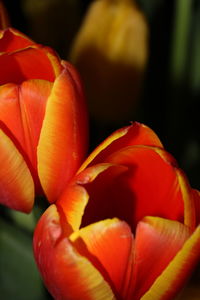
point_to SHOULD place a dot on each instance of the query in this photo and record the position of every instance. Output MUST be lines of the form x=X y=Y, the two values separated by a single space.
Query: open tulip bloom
x=125 y=227
x=43 y=124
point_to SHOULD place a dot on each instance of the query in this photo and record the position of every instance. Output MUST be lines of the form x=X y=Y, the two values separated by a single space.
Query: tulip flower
x=110 y=51
x=126 y=226
x=42 y=121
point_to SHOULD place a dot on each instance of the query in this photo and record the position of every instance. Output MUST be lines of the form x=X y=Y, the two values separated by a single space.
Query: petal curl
x=66 y=273
x=34 y=62
x=136 y=134
x=62 y=143
x=157 y=242
x=75 y=198
x=22 y=110
x=177 y=272
x=16 y=184
x=12 y=40
x=108 y=245
x=158 y=186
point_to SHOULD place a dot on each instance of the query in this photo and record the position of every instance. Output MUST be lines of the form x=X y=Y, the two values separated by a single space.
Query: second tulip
x=43 y=123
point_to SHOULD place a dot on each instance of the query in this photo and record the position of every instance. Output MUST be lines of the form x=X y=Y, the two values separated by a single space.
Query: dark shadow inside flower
x=150 y=187
x=110 y=197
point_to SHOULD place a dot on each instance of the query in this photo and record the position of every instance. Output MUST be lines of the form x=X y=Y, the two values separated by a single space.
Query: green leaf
x=19 y=278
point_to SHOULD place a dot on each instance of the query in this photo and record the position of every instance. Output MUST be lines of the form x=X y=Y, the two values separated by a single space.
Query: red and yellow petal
x=62 y=141
x=74 y=199
x=175 y=275
x=157 y=242
x=22 y=110
x=189 y=199
x=16 y=184
x=67 y=274
x=136 y=134
x=12 y=40
x=29 y=63
x=108 y=245
x=155 y=185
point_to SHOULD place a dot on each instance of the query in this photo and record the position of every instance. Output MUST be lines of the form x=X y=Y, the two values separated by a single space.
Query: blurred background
x=148 y=69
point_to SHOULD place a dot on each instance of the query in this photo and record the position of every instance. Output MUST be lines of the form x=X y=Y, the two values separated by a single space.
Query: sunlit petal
x=136 y=134
x=22 y=110
x=63 y=137
x=108 y=245
x=16 y=184
x=67 y=274
x=177 y=272
x=157 y=241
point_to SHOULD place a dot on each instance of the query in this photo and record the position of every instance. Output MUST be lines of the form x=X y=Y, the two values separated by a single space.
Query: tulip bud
x=4 y=20
x=110 y=51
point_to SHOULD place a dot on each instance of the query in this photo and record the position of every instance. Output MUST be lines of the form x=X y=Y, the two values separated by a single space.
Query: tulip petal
x=12 y=40
x=154 y=185
x=189 y=199
x=44 y=67
x=22 y=110
x=66 y=273
x=136 y=134
x=75 y=197
x=173 y=278
x=108 y=245
x=63 y=137
x=157 y=242
x=16 y=184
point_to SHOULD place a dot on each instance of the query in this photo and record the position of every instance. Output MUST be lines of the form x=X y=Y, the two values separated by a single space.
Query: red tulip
x=42 y=121
x=126 y=226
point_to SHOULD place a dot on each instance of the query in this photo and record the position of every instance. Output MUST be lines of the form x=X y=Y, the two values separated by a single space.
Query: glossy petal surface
x=16 y=184
x=12 y=40
x=63 y=137
x=67 y=274
x=108 y=245
x=150 y=182
x=177 y=272
x=22 y=63
x=136 y=134
x=157 y=242
x=22 y=110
